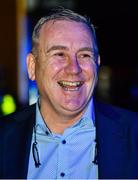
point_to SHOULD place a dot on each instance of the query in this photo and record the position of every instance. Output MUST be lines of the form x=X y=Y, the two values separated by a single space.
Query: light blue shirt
x=65 y=156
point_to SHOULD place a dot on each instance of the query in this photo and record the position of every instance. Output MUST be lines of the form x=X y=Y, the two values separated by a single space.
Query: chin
x=73 y=108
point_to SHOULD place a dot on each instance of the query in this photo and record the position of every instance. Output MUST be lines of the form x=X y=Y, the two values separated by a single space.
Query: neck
x=56 y=122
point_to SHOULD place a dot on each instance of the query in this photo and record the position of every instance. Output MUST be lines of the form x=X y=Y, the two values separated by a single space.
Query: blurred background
x=116 y=25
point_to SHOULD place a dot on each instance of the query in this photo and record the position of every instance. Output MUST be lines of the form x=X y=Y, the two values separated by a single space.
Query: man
x=67 y=134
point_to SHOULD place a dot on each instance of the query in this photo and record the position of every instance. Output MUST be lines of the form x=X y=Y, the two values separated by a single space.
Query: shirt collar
x=89 y=113
x=88 y=118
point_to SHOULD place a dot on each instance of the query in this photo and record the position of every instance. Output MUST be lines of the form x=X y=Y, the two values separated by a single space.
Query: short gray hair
x=61 y=13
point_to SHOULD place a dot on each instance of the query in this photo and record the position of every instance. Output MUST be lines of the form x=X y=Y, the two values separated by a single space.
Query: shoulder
x=115 y=113
x=19 y=116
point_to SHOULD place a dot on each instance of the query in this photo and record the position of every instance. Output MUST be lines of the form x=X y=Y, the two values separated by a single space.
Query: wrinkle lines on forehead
x=59 y=25
x=65 y=39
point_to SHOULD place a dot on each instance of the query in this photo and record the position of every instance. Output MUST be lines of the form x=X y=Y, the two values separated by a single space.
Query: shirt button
x=62 y=174
x=47 y=133
x=64 y=142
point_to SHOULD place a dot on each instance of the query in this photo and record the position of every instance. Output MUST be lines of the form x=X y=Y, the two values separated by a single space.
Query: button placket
x=62 y=162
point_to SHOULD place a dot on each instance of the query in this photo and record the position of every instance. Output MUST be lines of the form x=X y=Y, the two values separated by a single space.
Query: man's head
x=62 y=14
x=64 y=62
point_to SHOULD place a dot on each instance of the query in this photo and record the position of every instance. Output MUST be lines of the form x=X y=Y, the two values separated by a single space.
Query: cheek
x=90 y=70
x=54 y=68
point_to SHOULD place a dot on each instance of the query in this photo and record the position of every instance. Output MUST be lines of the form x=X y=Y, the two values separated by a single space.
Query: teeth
x=66 y=83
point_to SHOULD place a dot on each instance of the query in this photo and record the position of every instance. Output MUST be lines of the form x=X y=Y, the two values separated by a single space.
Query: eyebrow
x=58 y=47
x=86 y=49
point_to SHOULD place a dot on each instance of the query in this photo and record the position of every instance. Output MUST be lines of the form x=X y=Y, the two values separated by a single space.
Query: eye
x=85 y=56
x=59 y=54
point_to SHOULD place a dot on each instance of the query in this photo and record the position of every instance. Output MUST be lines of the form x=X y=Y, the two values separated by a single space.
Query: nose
x=73 y=66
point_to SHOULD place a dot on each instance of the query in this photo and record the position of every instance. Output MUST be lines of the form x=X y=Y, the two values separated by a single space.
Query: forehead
x=63 y=23
x=65 y=30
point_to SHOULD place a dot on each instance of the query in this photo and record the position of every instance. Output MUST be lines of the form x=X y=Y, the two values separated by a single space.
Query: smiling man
x=64 y=68
x=67 y=134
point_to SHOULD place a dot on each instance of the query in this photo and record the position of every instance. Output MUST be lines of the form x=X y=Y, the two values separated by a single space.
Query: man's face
x=65 y=71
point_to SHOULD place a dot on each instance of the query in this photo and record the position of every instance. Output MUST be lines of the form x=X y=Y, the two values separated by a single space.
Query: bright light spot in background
x=104 y=82
x=8 y=104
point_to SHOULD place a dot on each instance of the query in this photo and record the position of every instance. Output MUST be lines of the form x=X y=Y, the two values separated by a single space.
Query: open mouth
x=70 y=85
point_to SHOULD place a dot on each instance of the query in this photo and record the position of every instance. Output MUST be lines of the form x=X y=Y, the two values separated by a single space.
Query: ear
x=30 y=61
